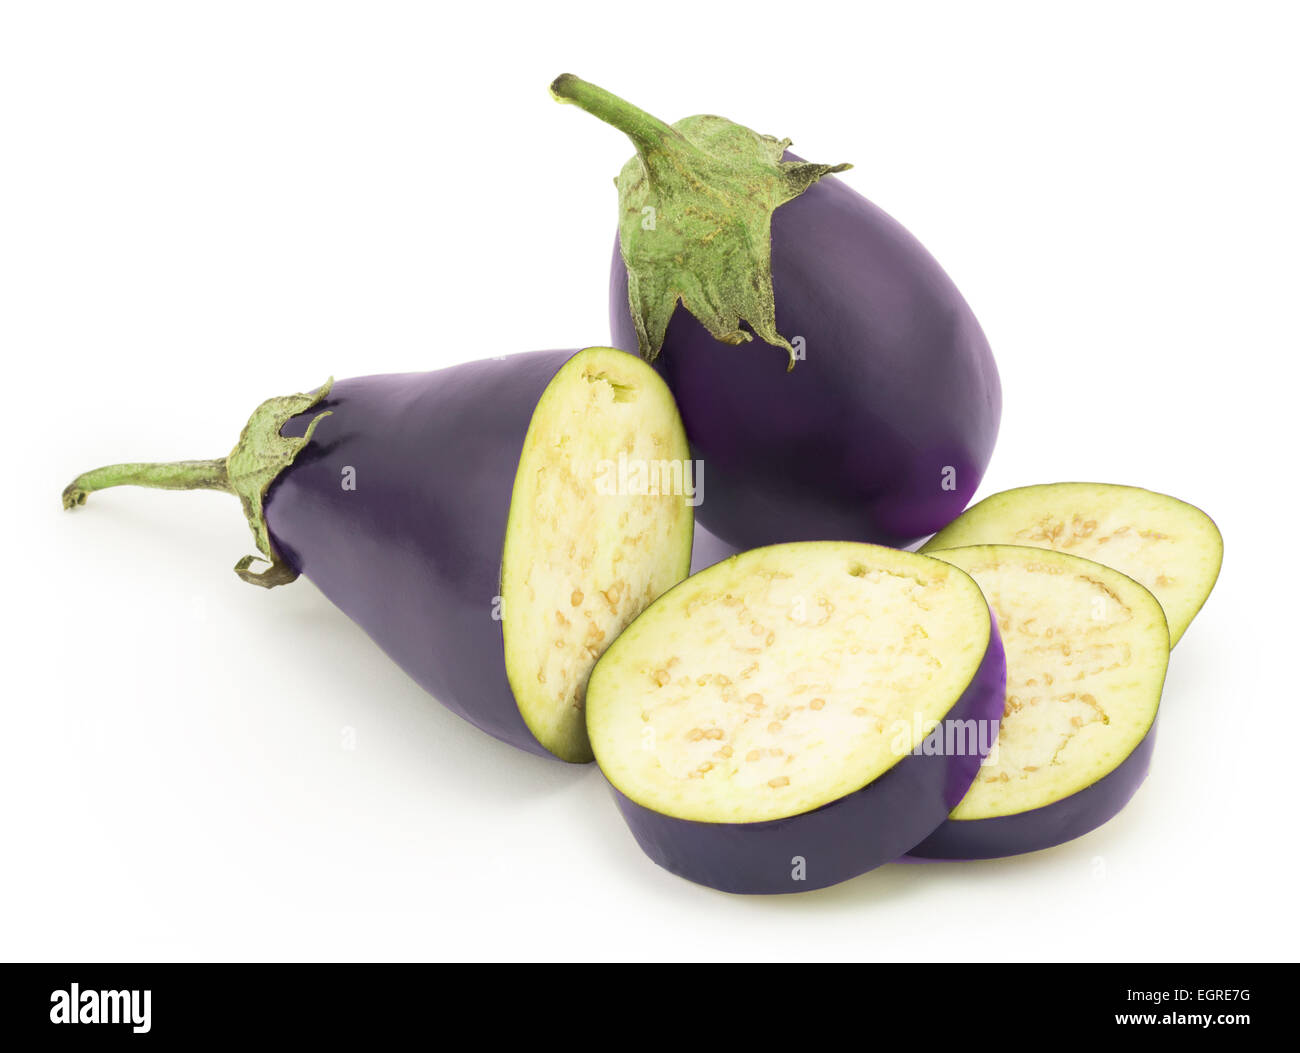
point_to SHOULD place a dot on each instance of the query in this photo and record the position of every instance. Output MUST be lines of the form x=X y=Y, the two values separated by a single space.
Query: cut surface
x=1086 y=654
x=1167 y=545
x=596 y=532
x=783 y=679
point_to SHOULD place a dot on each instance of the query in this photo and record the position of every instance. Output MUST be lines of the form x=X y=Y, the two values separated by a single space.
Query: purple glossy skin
x=840 y=840
x=413 y=554
x=1053 y=824
x=898 y=384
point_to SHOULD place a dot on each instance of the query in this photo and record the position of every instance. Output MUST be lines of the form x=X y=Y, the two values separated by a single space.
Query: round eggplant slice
x=797 y=715
x=1171 y=547
x=1086 y=651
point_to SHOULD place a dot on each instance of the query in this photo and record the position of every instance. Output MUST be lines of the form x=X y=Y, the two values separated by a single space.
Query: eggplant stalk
x=695 y=226
x=257 y=460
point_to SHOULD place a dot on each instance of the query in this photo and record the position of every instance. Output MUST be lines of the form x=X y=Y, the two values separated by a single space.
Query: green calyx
x=257 y=460
x=695 y=226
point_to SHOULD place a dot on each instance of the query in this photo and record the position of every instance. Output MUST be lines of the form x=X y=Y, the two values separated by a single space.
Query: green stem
x=176 y=475
x=647 y=132
x=695 y=218
x=257 y=460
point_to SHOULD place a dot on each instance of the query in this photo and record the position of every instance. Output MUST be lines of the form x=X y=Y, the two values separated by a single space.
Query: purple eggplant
x=1086 y=649
x=798 y=714
x=492 y=526
x=868 y=408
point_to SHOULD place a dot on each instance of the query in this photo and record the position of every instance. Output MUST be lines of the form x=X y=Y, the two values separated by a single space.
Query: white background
x=206 y=204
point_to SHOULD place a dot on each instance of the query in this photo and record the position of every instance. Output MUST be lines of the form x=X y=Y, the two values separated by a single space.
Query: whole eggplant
x=395 y=495
x=867 y=409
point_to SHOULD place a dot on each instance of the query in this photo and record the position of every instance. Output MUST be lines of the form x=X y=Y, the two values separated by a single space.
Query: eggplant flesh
x=1167 y=545
x=583 y=553
x=1086 y=649
x=486 y=541
x=763 y=723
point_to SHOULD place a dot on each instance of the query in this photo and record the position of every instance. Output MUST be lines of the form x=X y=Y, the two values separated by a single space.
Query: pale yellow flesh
x=1086 y=653
x=1172 y=548
x=582 y=559
x=783 y=678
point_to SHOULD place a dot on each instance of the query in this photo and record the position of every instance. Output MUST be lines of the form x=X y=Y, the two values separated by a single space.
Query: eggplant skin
x=882 y=432
x=839 y=840
x=1046 y=827
x=413 y=553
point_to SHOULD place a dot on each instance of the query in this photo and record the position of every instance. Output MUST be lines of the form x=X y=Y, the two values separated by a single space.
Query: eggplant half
x=492 y=526
x=1167 y=545
x=868 y=407
x=797 y=715
x=1086 y=652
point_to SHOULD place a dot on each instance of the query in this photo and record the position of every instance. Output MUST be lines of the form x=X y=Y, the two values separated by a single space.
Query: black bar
x=384 y=1003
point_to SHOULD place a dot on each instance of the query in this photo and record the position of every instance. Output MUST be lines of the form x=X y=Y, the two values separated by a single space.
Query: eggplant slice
x=1086 y=651
x=1167 y=545
x=764 y=723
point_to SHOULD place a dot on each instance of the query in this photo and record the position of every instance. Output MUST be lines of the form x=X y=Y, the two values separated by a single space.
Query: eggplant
x=491 y=526
x=868 y=408
x=1169 y=546
x=1086 y=651
x=798 y=714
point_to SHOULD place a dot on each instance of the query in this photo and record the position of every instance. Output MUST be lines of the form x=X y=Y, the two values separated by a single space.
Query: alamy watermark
x=638 y=477
x=927 y=737
x=75 y=1006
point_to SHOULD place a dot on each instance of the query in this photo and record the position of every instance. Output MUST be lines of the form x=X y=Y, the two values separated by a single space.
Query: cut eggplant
x=1171 y=547
x=492 y=526
x=799 y=714
x=1086 y=651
